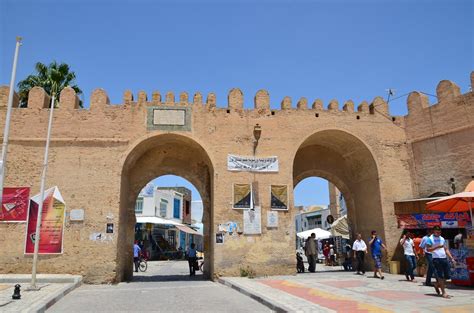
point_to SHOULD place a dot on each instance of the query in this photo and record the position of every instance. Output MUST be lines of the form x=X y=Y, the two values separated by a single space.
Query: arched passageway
x=344 y=160
x=153 y=157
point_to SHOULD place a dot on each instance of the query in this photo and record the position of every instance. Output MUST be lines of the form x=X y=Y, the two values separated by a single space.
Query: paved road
x=165 y=287
x=330 y=291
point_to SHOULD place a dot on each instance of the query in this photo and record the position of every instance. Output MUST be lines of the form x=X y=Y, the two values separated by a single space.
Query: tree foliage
x=52 y=78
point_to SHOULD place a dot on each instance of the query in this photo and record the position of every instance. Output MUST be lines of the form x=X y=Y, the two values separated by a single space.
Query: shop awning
x=156 y=220
x=340 y=227
x=320 y=233
x=188 y=230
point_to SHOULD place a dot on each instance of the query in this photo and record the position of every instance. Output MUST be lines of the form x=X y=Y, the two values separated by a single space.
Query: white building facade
x=166 y=236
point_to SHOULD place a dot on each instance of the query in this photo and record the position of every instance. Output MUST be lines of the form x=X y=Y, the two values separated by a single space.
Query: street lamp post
x=41 y=199
x=6 y=132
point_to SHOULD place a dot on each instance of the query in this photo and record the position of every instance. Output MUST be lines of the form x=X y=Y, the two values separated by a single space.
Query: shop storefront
x=412 y=215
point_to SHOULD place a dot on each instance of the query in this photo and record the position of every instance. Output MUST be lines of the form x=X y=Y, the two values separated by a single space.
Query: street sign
x=330 y=219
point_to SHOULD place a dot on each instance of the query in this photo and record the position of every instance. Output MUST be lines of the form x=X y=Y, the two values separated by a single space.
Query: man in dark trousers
x=360 y=249
x=192 y=259
x=428 y=258
x=311 y=251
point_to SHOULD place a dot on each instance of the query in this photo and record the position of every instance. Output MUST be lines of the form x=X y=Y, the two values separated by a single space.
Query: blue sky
x=316 y=49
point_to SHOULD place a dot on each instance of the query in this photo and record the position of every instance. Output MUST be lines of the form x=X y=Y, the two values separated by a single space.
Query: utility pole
x=40 y=204
x=6 y=132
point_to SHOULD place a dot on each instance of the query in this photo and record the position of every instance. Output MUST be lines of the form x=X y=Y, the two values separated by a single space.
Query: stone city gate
x=100 y=159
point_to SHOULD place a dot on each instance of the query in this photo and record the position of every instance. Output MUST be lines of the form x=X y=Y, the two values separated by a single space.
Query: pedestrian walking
x=136 y=255
x=360 y=249
x=437 y=246
x=428 y=257
x=410 y=255
x=192 y=259
x=332 y=256
x=326 y=253
x=376 y=246
x=311 y=252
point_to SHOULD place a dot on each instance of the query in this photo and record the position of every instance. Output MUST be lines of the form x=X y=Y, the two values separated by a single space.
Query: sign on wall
x=272 y=219
x=279 y=197
x=242 y=195
x=253 y=221
x=252 y=164
x=52 y=223
x=444 y=220
x=15 y=204
x=169 y=118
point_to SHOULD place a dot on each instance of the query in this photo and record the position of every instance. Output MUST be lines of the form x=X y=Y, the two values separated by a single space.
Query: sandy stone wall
x=102 y=157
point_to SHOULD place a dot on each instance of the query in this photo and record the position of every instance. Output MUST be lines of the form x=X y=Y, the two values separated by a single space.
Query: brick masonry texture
x=100 y=159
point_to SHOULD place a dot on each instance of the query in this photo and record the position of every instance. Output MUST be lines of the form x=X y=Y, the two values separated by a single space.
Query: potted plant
x=421 y=266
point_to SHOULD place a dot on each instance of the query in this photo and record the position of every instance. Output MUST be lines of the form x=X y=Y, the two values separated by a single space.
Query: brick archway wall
x=153 y=157
x=347 y=162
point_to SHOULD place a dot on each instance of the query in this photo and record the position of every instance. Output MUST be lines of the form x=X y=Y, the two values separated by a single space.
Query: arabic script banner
x=252 y=164
x=444 y=220
x=52 y=226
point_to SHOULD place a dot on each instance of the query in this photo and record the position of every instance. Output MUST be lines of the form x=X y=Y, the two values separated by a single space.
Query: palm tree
x=52 y=78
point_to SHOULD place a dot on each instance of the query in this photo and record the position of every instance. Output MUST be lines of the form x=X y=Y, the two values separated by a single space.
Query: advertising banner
x=52 y=223
x=444 y=220
x=15 y=204
x=252 y=164
x=242 y=196
x=279 y=197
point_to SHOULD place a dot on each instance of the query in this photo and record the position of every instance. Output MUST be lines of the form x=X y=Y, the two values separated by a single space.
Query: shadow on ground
x=158 y=278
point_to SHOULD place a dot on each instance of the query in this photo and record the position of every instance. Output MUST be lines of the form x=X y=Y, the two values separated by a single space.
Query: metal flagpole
x=6 y=132
x=40 y=205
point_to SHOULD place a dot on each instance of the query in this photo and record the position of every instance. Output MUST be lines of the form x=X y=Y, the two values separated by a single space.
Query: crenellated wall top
x=447 y=92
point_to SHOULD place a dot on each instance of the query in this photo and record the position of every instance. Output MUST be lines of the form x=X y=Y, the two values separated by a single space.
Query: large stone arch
x=156 y=156
x=347 y=162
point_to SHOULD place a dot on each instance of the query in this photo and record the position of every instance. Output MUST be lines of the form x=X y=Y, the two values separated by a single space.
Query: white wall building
x=160 y=238
x=311 y=217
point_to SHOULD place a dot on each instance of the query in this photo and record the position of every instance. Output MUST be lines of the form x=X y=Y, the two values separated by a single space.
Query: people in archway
x=192 y=259
x=326 y=253
x=376 y=246
x=299 y=263
x=428 y=258
x=439 y=250
x=136 y=254
x=332 y=256
x=348 y=259
x=311 y=252
x=360 y=249
x=410 y=255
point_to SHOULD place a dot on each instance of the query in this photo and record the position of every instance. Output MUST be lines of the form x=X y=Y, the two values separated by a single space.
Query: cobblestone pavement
x=165 y=287
x=328 y=291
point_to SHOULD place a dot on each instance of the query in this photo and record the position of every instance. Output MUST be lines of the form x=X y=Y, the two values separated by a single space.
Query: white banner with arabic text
x=252 y=164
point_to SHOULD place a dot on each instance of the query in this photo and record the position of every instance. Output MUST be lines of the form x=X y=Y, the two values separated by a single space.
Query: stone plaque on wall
x=169 y=118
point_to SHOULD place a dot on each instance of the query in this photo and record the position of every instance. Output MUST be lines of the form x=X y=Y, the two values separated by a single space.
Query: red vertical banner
x=15 y=204
x=52 y=226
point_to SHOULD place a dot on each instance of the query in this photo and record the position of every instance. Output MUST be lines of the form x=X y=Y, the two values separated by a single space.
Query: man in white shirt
x=410 y=255
x=360 y=249
x=437 y=246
